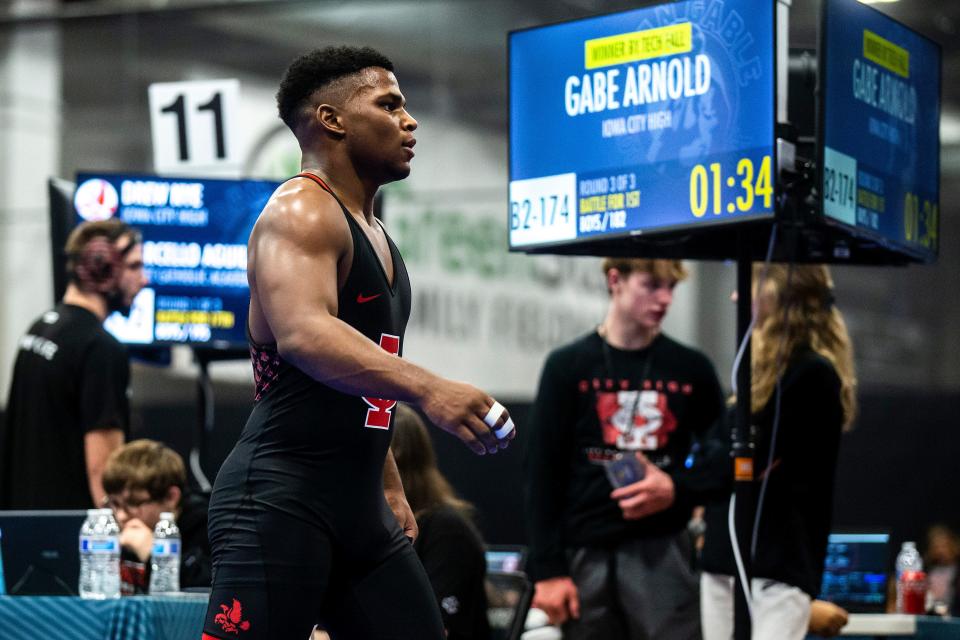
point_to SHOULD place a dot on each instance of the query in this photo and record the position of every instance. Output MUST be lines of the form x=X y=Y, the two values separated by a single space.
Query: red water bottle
x=914 y=591
x=910 y=579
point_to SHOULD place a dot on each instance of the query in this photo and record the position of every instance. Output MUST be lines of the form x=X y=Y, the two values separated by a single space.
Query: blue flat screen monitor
x=855 y=571
x=41 y=551
x=195 y=234
x=646 y=121
x=880 y=129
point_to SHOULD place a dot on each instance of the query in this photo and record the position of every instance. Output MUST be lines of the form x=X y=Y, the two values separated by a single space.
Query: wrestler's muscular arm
x=297 y=263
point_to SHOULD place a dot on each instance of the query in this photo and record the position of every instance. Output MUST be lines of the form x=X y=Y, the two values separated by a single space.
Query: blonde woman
x=803 y=396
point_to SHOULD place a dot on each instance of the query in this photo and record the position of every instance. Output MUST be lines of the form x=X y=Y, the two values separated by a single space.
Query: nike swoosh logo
x=362 y=298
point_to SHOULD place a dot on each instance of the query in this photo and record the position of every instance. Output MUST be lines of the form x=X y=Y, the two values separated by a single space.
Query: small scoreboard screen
x=880 y=129
x=195 y=235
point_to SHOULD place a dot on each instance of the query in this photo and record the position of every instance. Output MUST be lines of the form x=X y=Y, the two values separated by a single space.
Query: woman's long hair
x=798 y=311
x=424 y=485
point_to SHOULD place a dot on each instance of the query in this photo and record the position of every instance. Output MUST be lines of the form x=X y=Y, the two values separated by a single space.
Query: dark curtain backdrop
x=899 y=468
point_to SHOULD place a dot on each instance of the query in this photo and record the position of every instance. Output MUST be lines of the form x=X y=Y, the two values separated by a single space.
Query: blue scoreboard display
x=651 y=120
x=880 y=129
x=195 y=235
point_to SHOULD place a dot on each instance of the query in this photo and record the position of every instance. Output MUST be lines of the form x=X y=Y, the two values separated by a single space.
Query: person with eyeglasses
x=143 y=479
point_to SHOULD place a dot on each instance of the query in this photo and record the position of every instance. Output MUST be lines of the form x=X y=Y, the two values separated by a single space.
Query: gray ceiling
x=450 y=52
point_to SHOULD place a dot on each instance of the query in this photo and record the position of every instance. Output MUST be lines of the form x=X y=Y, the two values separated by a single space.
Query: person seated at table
x=827 y=618
x=448 y=544
x=143 y=479
x=941 y=559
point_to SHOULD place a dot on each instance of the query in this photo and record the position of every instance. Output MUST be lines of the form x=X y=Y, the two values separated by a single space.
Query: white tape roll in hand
x=493 y=416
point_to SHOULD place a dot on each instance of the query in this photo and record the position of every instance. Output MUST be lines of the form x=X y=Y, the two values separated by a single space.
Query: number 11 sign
x=192 y=125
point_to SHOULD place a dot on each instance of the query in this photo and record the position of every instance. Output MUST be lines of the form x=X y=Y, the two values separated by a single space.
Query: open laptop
x=41 y=551
x=505 y=558
x=856 y=569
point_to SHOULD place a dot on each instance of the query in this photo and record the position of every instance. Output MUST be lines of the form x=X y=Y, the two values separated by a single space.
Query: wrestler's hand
x=460 y=408
x=648 y=496
x=826 y=618
x=558 y=598
x=403 y=513
x=137 y=537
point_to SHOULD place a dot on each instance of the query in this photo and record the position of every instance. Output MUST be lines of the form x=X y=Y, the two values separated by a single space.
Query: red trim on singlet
x=317 y=179
x=323 y=185
x=207 y=636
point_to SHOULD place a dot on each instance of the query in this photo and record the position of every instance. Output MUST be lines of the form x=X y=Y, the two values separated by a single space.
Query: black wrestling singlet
x=312 y=451
x=299 y=527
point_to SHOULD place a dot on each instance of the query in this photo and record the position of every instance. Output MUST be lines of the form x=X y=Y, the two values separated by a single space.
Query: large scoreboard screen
x=195 y=234
x=880 y=129
x=646 y=121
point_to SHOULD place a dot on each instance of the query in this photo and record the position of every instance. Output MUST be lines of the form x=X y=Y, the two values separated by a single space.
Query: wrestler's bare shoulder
x=301 y=212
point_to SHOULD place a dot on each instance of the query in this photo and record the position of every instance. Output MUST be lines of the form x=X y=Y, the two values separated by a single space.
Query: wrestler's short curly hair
x=317 y=68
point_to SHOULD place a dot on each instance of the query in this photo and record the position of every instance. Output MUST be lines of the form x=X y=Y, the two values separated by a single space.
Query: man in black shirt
x=67 y=407
x=615 y=562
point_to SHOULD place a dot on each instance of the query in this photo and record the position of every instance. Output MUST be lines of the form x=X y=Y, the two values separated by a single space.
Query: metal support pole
x=744 y=441
x=204 y=424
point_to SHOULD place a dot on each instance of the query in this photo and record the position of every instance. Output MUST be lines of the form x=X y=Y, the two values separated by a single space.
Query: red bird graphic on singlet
x=231 y=618
x=635 y=420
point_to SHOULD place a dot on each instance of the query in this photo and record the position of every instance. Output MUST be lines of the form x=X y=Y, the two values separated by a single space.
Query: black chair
x=509 y=594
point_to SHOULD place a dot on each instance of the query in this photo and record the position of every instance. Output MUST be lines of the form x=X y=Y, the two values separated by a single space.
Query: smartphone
x=624 y=469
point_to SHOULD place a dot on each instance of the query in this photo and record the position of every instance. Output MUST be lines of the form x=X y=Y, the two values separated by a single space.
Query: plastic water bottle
x=909 y=572
x=165 y=558
x=100 y=555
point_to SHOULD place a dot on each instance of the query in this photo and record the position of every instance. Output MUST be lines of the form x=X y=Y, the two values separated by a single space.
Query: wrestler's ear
x=330 y=119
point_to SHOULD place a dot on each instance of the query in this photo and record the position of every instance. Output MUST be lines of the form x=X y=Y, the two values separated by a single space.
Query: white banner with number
x=193 y=127
x=481 y=314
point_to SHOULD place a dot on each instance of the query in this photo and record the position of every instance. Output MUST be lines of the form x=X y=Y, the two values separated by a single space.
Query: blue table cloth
x=70 y=618
x=928 y=628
